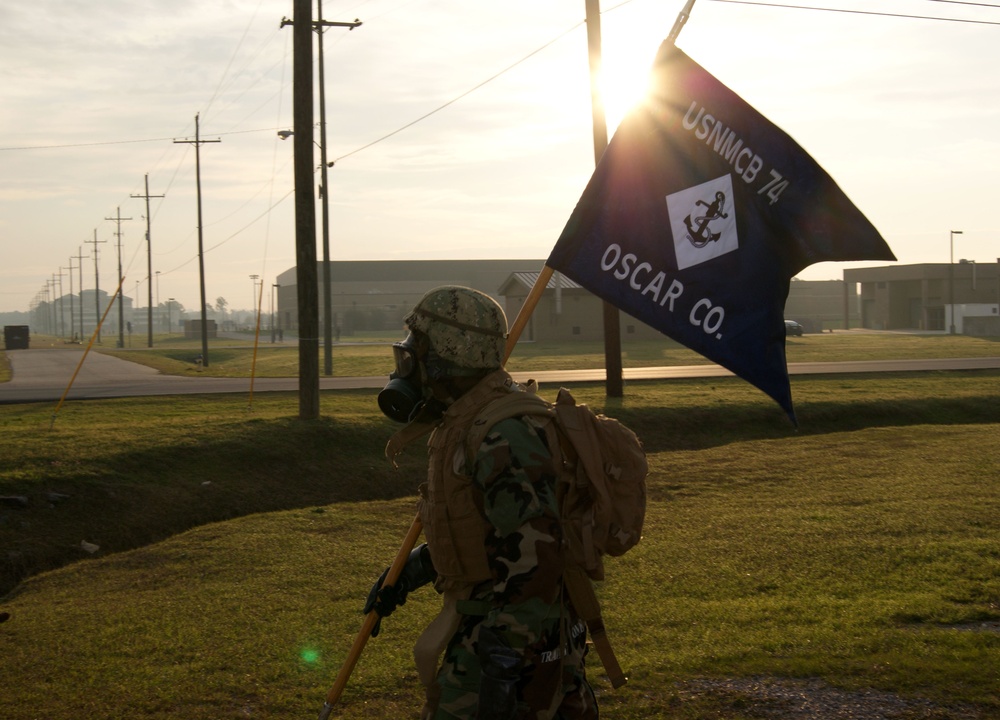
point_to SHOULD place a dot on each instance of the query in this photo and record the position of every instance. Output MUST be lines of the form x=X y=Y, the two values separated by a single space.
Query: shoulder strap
x=515 y=404
x=404 y=437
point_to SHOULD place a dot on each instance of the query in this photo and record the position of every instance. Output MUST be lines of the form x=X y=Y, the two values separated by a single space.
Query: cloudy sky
x=902 y=112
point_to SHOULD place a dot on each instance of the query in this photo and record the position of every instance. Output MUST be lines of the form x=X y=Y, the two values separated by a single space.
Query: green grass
x=229 y=358
x=237 y=545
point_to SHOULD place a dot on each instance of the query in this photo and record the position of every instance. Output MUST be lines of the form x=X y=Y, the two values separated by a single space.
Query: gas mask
x=403 y=397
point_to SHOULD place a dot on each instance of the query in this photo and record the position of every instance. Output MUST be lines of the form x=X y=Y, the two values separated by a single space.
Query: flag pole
x=682 y=17
x=524 y=314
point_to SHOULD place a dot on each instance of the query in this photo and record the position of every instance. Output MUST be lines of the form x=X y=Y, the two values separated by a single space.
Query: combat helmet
x=466 y=330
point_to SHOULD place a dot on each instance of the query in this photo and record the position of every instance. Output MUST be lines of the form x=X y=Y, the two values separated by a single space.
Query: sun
x=624 y=78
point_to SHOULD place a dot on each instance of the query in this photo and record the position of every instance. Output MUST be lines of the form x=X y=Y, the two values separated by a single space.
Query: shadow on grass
x=135 y=498
x=132 y=499
x=665 y=429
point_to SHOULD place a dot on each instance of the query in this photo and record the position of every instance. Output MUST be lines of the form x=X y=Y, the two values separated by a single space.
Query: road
x=44 y=375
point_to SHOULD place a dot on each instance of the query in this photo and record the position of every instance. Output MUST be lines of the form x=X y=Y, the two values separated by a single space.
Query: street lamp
x=170 y=305
x=951 y=279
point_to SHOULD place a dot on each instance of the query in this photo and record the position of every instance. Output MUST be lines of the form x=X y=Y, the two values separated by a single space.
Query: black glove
x=417 y=572
x=500 y=668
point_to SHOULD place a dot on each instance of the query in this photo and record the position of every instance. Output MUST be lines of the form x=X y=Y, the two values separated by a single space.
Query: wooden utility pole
x=319 y=25
x=97 y=287
x=324 y=191
x=79 y=256
x=149 y=265
x=612 y=323
x=62 y=313
x=72 y=299
x=305 y=211
x=121 y=279
x=198 y=142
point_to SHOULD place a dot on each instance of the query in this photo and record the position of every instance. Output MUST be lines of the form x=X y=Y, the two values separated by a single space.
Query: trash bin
x=15 y=337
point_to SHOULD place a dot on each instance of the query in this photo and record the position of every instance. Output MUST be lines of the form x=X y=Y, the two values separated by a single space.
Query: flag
x=697 y=217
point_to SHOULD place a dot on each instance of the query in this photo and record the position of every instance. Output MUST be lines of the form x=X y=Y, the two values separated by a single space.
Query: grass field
x=860 y=551
x=372 y=354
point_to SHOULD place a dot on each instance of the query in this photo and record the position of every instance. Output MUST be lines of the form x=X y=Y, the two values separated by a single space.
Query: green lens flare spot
x=309 y=656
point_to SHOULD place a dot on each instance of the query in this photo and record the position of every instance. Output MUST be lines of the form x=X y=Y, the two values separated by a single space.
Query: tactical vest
x=451 y=513
x=450 y=506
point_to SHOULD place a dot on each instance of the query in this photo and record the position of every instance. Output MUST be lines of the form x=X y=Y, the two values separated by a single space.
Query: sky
x=458 y=129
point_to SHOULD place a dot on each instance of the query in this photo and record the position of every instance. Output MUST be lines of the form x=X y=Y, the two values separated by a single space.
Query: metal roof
x=528 y=279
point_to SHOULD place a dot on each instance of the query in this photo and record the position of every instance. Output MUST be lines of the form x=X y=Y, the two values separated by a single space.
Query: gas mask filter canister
x=398 y=399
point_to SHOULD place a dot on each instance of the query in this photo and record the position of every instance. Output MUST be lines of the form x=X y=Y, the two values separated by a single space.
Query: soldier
x=508 y=643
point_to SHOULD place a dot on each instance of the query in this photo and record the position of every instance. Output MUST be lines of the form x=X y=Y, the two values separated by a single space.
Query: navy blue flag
x=697 y=217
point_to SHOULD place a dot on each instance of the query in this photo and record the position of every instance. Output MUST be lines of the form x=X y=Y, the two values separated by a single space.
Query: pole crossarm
x=317 y=24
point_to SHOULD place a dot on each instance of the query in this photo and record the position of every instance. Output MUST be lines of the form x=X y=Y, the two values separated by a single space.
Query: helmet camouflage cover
x=466 y=328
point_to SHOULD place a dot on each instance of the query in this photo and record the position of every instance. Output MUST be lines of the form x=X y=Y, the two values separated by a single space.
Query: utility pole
x=198 y=142
x=121 y=278
x=50 y=292
x=253 y=303
x=324 y=191
x=72 y=302
x=274 y=287
x=318 y=26
x=97 y=288
x=305 y=210
x=62 y=314
x=79 y=256
x=149 y=264
x=612 y=322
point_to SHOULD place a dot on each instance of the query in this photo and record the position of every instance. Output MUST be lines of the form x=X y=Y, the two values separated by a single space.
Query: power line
x=126 y=142
x=863 y=12
x=533 y=53
x=465 y=94
x=963 y=2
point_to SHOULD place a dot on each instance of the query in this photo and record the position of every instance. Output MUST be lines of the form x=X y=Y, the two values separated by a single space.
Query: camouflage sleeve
x=515 y=473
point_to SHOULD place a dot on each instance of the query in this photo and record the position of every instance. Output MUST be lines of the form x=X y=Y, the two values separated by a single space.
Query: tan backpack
x=601 y=491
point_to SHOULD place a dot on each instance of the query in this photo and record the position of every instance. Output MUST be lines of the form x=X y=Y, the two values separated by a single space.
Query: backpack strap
x=581 y=447
x=514 y=404
x=581 y=592
x=572 y=421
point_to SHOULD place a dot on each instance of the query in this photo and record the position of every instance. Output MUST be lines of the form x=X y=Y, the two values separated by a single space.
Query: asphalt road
x=45 y=375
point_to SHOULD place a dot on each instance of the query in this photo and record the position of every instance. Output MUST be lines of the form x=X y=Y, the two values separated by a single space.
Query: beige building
x=375 y=295
x=369 y=295
x=962 y=298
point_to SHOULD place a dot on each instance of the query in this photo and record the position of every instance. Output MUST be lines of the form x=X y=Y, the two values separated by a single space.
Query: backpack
x=601 y=492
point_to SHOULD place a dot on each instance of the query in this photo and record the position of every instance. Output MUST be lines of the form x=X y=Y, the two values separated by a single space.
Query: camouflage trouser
x=552 y=685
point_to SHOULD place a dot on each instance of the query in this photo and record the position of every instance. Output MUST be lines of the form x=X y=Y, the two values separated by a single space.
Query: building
x=375 y=295
x=961 y=298
x=65 y=315
x=819 y=305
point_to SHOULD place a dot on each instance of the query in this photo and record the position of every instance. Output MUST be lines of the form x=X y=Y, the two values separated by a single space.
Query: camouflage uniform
x=492 y=531
x=524 y=602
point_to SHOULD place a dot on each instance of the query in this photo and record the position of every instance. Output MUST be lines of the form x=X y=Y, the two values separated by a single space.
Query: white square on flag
x=703 y=222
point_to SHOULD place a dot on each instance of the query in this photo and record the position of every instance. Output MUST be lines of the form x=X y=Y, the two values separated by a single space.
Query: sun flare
x=624 y=78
